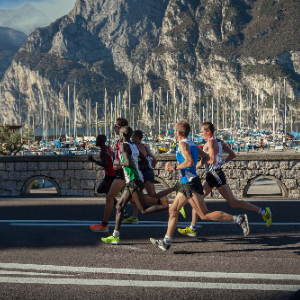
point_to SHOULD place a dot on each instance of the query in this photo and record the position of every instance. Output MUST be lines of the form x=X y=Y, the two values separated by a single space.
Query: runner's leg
x=125 y=198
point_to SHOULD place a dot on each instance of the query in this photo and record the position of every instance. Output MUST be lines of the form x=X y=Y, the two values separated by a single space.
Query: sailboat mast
x=74 y=112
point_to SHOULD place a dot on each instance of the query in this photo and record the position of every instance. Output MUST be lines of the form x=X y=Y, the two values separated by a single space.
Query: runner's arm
x=154 y=162
x=143 y=160
x=227 y=149
x=125 y=151
x=188 y=160
x=103 y=162
x=204 y=158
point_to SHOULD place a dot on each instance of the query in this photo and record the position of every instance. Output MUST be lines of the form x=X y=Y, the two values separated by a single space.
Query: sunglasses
x=177 y=130
x=117 y=125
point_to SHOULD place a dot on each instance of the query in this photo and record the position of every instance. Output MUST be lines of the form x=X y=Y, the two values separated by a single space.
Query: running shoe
x=160 y=244
x=268 y=216
x=99 y=228
x=131 y=220
x=182 y=211
x=177 y=186
x=111 y=240
x=164 y=200
x=188 y=231
x=244 y=224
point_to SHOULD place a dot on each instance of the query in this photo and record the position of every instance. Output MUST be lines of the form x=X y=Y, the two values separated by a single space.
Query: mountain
x=24 y=19
x=10 y=43
x=211 y=47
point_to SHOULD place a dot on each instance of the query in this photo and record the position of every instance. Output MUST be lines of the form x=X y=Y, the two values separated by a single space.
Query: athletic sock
x=167 y=239
x=104 y=224
x=193 y=227
x=261 y=211
x=237 y=219
x=133 y=217
x=116 y=234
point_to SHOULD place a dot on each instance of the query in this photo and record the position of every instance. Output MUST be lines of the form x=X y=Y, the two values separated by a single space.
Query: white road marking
x=149 y=284
x=146 y=272
x=4 y=272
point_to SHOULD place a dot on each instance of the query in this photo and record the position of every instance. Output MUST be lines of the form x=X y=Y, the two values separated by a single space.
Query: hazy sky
x=54 y=9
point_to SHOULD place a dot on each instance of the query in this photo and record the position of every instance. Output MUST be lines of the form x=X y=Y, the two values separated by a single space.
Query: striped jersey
x=132 y=173
x=188 y=174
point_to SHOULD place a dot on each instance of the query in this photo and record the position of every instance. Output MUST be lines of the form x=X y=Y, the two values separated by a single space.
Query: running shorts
x=109 y=178
x=148 y=174
x=194 y=185
x=215 y=178
x=120 y=174
x=134 y=186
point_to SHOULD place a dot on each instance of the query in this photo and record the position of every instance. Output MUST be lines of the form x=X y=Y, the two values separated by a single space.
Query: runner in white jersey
x=130 y=156
x=215 y=178
x=191 y=188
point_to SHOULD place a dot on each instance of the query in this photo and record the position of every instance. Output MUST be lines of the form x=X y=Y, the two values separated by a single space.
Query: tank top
x=189 y=173
x=110 y=171
x=132 y=173
x=219 y=160
x=149 y=158
x=117 y=150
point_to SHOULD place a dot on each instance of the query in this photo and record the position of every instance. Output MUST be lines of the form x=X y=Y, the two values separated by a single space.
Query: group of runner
x=130 y=169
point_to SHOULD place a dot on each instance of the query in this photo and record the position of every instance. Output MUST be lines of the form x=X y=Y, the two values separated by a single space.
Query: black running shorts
x=134 y=186
x=109 y=178
x=148 y=174
x=194 y=185
x=120 y=174
x=215 y=178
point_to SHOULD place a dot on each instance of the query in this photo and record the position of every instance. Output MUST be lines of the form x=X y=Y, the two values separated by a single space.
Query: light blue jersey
x=188 y=174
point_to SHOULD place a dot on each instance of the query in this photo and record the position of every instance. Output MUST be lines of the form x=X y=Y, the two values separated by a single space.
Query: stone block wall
x=76 y=176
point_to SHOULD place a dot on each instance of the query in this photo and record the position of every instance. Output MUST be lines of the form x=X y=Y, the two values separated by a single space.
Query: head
x=181 y=130
x=100 y=140
x=120 y=122
x=137 y=136
x=125 y=134
x=207 y=130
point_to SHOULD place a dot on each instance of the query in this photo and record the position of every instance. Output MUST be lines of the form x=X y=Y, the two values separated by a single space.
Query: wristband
x=175 y=166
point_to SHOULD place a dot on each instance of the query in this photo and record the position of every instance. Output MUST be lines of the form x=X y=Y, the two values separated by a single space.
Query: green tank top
x=132 y=173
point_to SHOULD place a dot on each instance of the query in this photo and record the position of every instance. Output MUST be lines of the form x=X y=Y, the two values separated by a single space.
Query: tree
x=12 y=139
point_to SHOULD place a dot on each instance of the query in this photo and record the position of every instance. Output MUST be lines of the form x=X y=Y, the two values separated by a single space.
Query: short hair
x=184 y=127
x=101 y=137
x=208 y=126
x=139 y=134
x=123 y=122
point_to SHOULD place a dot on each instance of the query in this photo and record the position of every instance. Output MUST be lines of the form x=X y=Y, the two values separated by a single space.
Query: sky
x=53 y=9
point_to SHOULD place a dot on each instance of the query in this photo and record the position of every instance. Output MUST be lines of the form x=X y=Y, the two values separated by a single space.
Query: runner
x=191 y=188
x=130 y=156
x=106 y=161
x=216 y=178
x=148 y=174
x=116 y=186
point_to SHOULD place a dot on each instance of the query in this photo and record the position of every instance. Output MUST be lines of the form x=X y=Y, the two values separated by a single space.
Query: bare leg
x=227 y=194
x=206 y=189
x=179 y=201
x=125 y=198
x=115 y=188
x=198 y=204
x=150 y=188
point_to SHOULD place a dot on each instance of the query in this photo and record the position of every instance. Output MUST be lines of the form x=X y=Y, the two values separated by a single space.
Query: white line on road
x=146 y=272
x=149 y=284
x=4 y=272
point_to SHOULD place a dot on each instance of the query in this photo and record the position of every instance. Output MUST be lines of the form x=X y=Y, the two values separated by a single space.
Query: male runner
x=116 y=185
x=130 y=156
x=106 y=161
x=216 y=178
x=148 y=174
x=191 y=188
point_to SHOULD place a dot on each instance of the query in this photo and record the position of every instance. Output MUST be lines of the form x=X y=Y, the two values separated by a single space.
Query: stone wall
x=76 y=176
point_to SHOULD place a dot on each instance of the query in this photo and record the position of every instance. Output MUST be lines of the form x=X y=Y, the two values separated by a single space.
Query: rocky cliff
x=211 y=47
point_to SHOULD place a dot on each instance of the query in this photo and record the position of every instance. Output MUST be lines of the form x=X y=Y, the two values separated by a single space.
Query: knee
x=173 y=213
x=205 y=217
x=120 y=205
x=233 y=203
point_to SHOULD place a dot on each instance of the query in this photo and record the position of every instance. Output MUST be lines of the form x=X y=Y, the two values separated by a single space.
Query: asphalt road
x=49 y=252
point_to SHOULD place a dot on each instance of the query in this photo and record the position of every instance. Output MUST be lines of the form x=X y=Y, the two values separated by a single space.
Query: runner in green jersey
x=130 y=156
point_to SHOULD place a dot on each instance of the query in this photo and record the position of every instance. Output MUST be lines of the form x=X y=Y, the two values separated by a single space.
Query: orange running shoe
x=164 y=200
x=99 y=228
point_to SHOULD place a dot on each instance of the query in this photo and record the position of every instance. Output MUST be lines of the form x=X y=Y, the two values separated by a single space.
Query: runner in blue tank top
x=190 y=188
